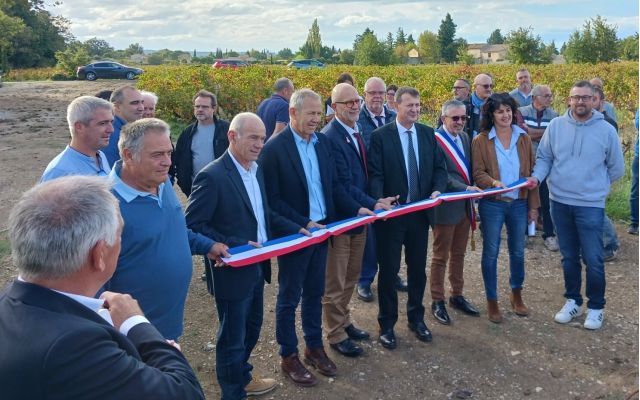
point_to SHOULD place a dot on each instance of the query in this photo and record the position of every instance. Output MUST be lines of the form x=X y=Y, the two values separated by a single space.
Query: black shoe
x=440 y=312
x=422 y=332
x=364 y=292
x=633 y=229
x=401 y=286
x=388 y=339
x=203 y=277
x=347 y=348
x=356 y=333
x=462 y=304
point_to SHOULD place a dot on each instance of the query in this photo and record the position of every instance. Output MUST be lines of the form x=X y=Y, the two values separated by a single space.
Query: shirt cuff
x=130 y=322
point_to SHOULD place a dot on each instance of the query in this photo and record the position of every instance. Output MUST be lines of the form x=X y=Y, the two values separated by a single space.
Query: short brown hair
x=206 y=93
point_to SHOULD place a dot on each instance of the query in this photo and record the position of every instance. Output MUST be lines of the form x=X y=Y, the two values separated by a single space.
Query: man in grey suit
x=452 y=220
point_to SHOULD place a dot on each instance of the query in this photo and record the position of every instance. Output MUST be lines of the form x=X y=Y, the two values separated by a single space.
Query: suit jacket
x=53 y=347
x=219 y=207
x=369 y=124
x=387 y=171
x=350 y=169
x=450 y=213
x=182 y=159
x=287 y=189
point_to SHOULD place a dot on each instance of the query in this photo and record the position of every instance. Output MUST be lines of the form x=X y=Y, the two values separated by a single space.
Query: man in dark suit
x=228 y=203
x=58 y=341
x=302 y=186
x=344 y=258
x=451 y=221
x=199 y=143
x=404 y=161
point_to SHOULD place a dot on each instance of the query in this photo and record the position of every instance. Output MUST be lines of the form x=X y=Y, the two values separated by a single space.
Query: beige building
x=484 y=53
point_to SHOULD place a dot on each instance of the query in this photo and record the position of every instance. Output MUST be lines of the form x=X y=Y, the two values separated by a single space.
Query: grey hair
x=238 y=122
x=54 y=226
x=282 y=84
x=150 y=94
x=413 y=92
x=374 y=79
x=537 y=90
x=297 y=98
x=82 y=109
x=133 y=133
x=117 y=97
x=448 y=105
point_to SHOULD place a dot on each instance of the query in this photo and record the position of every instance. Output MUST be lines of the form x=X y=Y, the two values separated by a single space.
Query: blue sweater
x=155 y=263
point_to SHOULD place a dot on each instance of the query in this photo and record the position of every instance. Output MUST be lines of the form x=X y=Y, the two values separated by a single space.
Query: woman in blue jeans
x=502 y=154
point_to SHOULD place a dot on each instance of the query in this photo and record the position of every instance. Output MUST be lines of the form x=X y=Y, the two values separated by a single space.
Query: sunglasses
x=486 y=85
x=458 y=118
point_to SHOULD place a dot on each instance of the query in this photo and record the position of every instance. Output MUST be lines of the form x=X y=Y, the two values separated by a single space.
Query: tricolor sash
x=458 y=158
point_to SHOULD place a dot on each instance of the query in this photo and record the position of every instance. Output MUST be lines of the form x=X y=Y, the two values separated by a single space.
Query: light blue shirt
x=351 y=131
x=508 y=159
x=127 y=192
x=71 y=162
x=309 y=158
x=404 y=140
x=250 y=180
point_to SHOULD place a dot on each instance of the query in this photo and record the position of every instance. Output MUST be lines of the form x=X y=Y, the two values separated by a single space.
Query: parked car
x=107 y=69
x=226 y=63
x=304 y=64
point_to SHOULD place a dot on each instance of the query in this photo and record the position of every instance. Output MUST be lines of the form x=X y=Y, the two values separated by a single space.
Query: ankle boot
x=493 y=311
x=517 y=303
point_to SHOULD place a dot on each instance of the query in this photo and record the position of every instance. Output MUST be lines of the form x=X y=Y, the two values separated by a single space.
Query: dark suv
x=107 y=69
x=304 y=64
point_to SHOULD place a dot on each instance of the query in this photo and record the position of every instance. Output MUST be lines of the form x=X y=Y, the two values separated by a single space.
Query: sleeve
x=615 y=159
x=89 y=363
x=343 y=172
x=544 y=156
x=440 y=175
x=52 y=174
x=282 y=115
x=480 y=176
x=376 y=167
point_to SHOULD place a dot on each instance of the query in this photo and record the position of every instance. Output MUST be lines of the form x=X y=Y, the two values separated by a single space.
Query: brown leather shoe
x=319 y=359
x=493 y=311
x=293 y=368
x=516 y=302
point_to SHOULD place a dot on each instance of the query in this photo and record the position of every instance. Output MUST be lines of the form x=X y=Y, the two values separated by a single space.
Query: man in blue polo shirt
x=154 y=265
x=128 y=106
x=274 y=111
x=90 y=123
x=522 y=94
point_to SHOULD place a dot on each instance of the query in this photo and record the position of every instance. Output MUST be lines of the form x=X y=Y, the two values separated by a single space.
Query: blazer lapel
x=265 y=205
x=294 y=156
x=394 y=136
x=236 y=180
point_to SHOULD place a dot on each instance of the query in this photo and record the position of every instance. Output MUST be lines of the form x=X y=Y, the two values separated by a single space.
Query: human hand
x=385 y=203
x=435 y=194
x=255 y=244
x=174 y=344
x=305 y=232
x=313 y=224
x=120 y=306
x=473 y=189
x=365 y=211
x=532 y=182
x=217 y=251
x=498 y=184
x=533 y=215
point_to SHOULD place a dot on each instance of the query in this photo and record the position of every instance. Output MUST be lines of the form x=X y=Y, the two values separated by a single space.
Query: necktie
x=379 y=120
x=413 y=180
x=363 y=156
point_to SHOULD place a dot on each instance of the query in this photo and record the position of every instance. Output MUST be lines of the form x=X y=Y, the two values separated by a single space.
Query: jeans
x=494 y=214
x=240 y=322
x=633 y=195
x=580 y=229
x=609 y=235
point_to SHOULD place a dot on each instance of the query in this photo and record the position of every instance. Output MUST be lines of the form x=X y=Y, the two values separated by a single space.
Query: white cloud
x=356 y=20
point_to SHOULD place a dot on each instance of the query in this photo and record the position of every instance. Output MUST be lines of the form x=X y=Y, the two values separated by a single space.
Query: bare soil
x=531 y=357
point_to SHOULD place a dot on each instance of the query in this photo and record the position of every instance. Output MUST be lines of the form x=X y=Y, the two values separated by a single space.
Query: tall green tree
x=401 y=38
x=446 y=37
x=525 y=48
x=73 y=56
x=312 y=48
x=429 y=47
x=495 y=37
x=463 y=56
x=596 y=42
x=629 y=48
x=368 y=50
x=98 y=48
x=134 y=48
x=10 y=27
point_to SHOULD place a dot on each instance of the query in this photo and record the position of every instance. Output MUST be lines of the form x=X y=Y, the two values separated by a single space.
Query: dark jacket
x=182 y=159
x=369 y=124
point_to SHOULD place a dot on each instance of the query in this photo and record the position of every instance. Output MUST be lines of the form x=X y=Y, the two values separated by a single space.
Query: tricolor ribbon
x=247 y=254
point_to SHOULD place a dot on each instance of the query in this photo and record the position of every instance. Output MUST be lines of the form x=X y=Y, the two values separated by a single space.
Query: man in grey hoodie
x=580 y=156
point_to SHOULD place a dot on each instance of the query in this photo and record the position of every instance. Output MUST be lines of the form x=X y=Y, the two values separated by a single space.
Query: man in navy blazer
x=58 y=341
x=404 y=161
x=229 y=205
x=344 y=257
x=302 y=186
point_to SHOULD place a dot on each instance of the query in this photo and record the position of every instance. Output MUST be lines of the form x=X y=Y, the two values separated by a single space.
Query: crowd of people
x=104 y=248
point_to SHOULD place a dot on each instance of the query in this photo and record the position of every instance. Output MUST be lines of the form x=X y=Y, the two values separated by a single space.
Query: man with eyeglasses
x=581 y=156
x=537 y=117
x=451 y=221
x=522 y=94
x=201 y=142
x=483 y=85
x=391 y=98
x=461 y=91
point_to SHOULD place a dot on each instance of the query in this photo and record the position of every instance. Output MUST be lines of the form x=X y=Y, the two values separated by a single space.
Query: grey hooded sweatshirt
x=580 y=160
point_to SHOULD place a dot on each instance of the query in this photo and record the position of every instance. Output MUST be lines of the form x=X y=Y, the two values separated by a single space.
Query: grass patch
x=5 y=246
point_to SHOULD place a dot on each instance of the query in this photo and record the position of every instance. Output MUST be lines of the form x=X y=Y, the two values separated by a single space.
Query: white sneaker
x=569 y=311
x=551 y=243
x=594 y=319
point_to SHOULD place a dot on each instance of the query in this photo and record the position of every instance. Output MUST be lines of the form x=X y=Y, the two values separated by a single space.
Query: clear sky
x=274 y=24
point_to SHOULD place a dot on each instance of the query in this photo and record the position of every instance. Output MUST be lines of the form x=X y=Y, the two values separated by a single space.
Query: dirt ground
x=521 y=358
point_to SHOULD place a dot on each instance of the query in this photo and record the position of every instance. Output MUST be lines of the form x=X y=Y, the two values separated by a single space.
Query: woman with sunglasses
x=502 y=154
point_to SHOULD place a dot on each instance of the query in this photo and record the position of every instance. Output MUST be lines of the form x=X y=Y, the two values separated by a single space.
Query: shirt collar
x=300 y=140
x=84 y=156
x=349 y=129
x=127 y=192
x=402 y=129
x=514 y=128
x=444 y=128
x=373 y=115
x=253 y=169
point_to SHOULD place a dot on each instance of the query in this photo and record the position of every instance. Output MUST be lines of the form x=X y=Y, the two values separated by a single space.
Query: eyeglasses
x=460 y=87
x=546 y=96
x=349 y=103
x=486 y=85
x=373 y=93
x=583 y=98
x=391 y=93
x=457 y=118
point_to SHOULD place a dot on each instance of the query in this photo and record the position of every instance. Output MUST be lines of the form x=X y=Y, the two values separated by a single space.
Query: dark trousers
x=412 y=231
x=238 y=333
x=300 y=277
x=547 y=221
x=369 y=259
